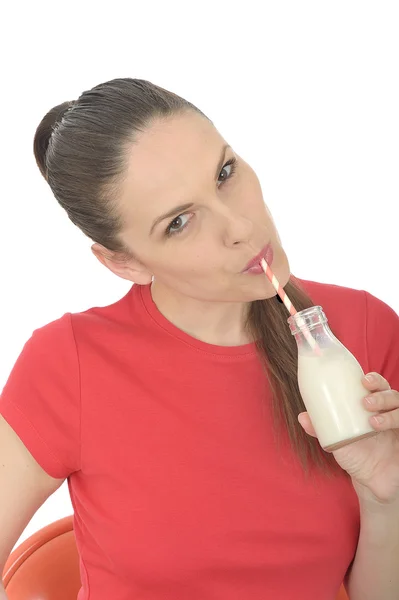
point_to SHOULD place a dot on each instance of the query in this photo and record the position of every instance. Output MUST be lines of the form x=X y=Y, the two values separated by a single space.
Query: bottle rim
x=311 y=317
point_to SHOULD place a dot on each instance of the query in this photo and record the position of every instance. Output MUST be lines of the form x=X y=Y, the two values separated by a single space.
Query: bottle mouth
x=308 y=318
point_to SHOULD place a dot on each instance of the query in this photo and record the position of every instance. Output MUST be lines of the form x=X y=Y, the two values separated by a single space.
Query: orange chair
x=46 y=566
x=342 y=594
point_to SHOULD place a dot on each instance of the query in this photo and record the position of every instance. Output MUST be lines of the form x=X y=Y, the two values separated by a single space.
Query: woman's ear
x=125 y=267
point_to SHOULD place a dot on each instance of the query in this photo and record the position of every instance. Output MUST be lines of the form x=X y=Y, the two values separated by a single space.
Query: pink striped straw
x=289 y=306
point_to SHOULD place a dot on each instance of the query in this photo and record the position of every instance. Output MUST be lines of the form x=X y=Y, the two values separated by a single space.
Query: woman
x=174 y=412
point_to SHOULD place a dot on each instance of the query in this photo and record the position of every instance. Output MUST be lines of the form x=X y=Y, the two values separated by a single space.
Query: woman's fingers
x=375 y=382
x=306 y=423
x=386 y=400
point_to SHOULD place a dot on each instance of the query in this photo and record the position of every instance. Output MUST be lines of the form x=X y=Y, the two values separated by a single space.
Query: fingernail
x=370 y=378
x=379 y=419
x=370 y=400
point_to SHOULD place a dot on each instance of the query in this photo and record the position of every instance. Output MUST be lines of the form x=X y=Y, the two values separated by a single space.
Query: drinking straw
x=289 y=306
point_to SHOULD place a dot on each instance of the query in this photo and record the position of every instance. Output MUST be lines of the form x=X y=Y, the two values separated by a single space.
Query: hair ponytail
x=267 y=324
x=44 y=132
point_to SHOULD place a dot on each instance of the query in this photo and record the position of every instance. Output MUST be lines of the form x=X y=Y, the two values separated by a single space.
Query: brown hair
x=81 y=150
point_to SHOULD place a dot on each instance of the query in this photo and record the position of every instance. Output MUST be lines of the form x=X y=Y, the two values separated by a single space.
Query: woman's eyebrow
x=171 y=213
x=182 y=208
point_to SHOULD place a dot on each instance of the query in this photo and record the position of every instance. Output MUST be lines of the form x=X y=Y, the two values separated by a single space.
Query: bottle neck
x=309 y=318
x=314 y=321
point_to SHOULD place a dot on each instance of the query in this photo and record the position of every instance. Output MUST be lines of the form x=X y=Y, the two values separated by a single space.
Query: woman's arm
x=373 y=464
x=374 y=574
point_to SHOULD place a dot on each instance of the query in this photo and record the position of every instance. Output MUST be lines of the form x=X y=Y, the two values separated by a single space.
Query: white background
x=307 y=92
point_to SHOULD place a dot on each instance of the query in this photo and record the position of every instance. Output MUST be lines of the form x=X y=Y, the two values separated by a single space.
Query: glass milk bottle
x=330 y=382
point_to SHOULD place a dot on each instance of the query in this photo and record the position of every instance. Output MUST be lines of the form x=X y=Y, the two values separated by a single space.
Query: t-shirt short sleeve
x=382 y=333
x=41 y=398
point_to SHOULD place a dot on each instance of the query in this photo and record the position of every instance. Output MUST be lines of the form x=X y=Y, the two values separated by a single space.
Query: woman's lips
x=254 y=265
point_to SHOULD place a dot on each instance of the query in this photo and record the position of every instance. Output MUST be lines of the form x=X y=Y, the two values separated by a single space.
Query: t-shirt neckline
x=165 y=324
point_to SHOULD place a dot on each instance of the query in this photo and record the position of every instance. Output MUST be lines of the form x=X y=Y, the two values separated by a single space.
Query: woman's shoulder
x=330 y=292
x=338 y=298
x=60 y=332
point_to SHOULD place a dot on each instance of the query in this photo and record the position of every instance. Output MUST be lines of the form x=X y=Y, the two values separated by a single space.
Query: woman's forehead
x=171 y=158
x=174 y=141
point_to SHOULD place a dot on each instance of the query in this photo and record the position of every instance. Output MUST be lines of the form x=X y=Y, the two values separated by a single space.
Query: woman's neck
x=218 y=323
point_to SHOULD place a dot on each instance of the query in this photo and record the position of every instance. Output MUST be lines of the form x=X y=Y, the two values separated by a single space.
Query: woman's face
x=194 y=215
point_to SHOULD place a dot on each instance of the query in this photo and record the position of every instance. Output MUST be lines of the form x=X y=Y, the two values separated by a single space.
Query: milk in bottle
x=330 y=383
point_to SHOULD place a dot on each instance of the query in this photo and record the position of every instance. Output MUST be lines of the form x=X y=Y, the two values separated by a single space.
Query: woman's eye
x=228 y=170
x=178 y=224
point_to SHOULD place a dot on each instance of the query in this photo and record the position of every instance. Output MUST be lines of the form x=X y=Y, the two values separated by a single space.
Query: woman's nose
x=237 y=229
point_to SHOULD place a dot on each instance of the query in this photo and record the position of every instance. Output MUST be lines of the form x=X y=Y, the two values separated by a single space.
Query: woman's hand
x=373 y=463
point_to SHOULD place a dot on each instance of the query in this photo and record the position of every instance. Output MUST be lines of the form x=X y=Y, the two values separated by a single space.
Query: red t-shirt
x=178 y=488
